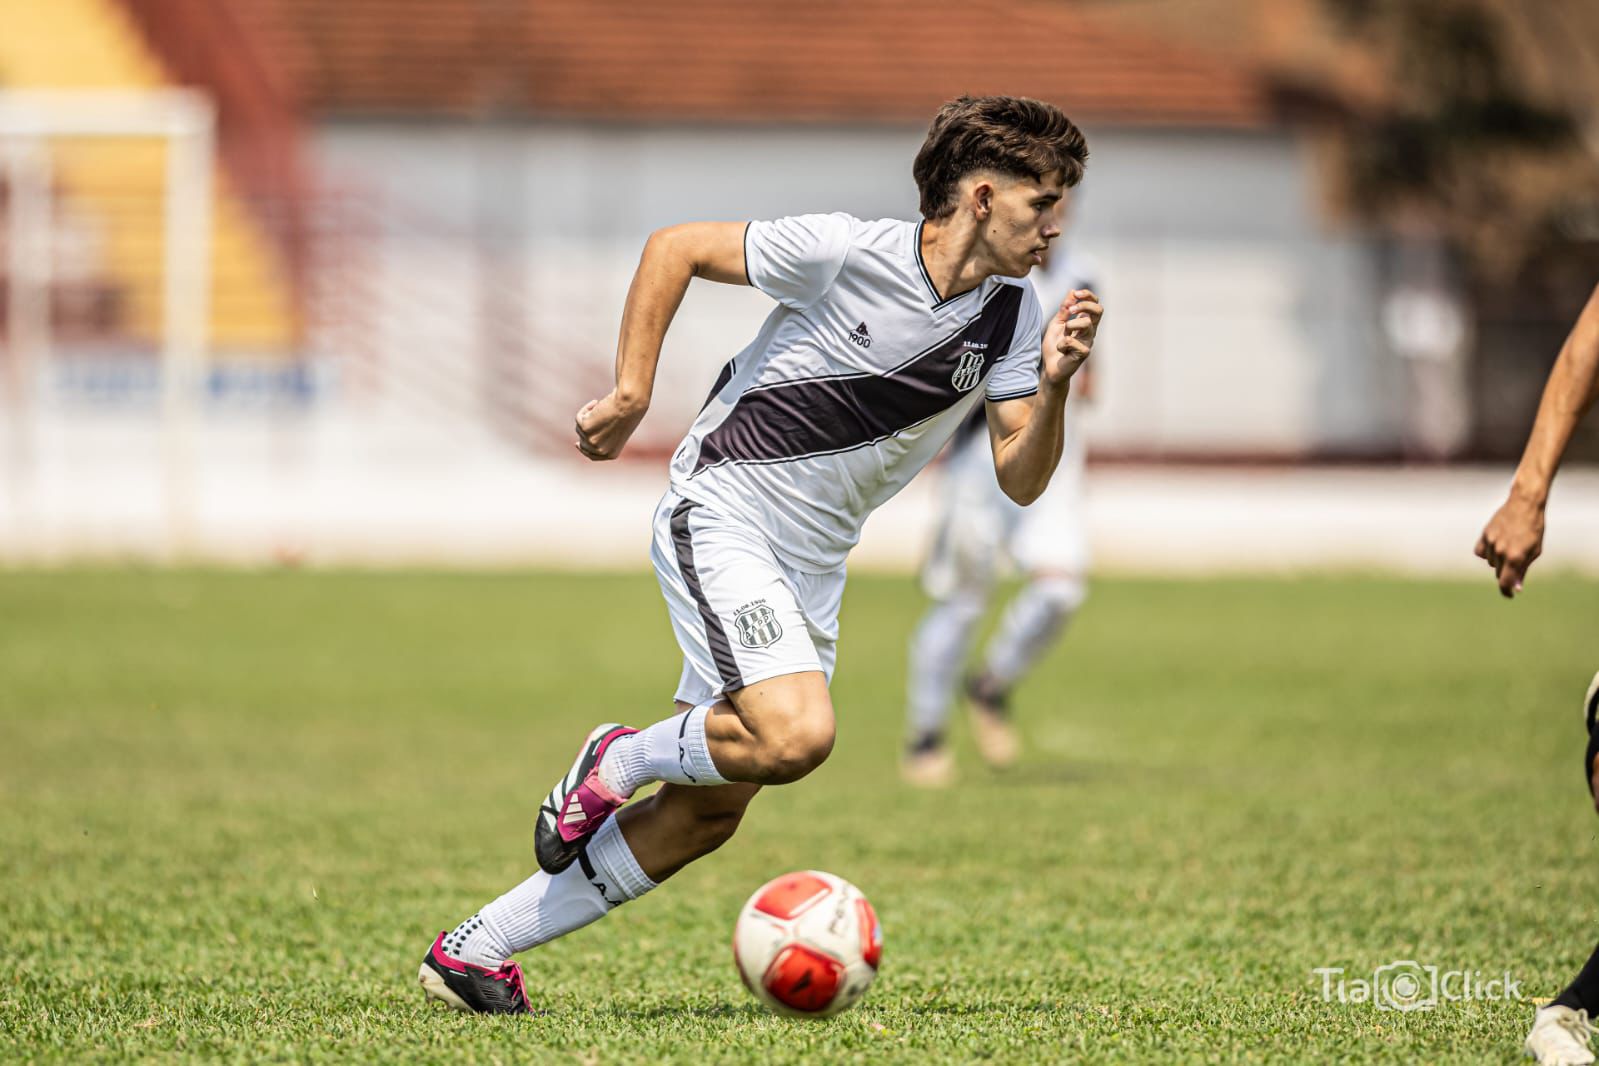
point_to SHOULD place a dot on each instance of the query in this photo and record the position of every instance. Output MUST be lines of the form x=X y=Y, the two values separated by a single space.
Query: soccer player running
x=886 y=335
x=1510 y=543
x=977 y=526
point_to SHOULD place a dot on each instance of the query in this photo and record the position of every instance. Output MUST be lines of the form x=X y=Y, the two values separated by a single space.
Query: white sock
x=611 y=867
x=671 y=750
x=1030 y=625
x=938 y=650
x=544 y=907
x=477 y=942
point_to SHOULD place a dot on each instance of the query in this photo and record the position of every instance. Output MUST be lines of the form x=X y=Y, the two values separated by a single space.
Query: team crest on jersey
x=758 y=626
x=969 y=371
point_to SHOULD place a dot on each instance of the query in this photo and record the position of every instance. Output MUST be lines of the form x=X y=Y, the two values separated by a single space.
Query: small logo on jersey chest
x=861 y=336
x=969 y=371
x=757 y=625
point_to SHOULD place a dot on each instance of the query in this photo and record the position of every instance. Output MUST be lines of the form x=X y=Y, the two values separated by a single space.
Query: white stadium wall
x=1239 y=322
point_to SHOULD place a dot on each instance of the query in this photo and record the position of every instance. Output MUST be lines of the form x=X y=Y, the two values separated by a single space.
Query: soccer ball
x=807 y=944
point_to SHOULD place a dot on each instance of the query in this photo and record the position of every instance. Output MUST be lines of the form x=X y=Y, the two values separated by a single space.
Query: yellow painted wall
x=114 y=188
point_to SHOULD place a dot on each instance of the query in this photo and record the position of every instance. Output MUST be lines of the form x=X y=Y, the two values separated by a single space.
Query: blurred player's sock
x=938 y=648
x=544 y=907
x=1583 y=993
x=671 y=750
x=1031 y=623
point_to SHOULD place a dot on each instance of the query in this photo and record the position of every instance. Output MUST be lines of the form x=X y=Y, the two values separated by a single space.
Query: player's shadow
x=742 y=1012
x=1035 y=774
x=979 y=1010
x=750 y=1012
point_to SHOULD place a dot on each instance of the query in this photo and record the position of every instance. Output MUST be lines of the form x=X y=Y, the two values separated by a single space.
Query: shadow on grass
x=717 y=1012
x=1032 y=775
x=888 y=1013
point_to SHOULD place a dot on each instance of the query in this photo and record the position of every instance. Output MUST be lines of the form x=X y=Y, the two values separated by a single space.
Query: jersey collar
x=939 y=302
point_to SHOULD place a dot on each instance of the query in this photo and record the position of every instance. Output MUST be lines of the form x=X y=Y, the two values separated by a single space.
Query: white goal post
x=186 y=120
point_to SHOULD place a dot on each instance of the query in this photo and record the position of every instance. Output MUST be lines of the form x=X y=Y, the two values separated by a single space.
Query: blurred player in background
x=979 y=526
x=1510 y=543
x=887 y=335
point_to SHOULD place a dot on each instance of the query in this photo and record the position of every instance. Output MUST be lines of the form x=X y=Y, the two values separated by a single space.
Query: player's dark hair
x=1007 y=134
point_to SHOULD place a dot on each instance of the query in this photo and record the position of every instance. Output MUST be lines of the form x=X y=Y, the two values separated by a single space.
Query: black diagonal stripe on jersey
x=721 y=382
x=824 y=416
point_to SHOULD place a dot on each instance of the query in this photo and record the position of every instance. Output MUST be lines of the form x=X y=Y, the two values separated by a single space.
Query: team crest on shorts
x=758 y=626
x=969 y=371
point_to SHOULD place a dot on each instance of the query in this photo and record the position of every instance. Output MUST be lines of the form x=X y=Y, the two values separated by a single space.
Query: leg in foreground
x=769 y=733
x=1560 y=1031
x=772 y=732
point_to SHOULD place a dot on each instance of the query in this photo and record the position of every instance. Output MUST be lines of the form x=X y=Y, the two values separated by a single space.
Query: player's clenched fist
x=604 y=426
x=1069 y=337
x=1511 y=541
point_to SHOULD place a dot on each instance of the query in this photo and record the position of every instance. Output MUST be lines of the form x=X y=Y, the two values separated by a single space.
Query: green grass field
x=237 y=807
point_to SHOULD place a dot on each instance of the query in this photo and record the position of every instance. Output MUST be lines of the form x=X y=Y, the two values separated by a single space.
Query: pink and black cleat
x=466 y=986
x=577 y=804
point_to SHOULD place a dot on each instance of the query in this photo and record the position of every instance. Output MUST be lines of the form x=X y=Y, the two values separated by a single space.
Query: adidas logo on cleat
x=861 y=336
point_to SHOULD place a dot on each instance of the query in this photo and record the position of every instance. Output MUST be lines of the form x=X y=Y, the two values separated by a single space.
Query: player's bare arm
x=1027 y=433
x=1513 y=538
x=672 y=258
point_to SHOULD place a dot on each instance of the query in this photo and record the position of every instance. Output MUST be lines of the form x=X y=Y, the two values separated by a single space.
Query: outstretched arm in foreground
x=1027 y=433
x=1513 y=537
x=672 y=258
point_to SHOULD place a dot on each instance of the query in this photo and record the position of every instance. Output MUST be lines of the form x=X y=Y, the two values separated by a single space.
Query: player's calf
x=679 y=824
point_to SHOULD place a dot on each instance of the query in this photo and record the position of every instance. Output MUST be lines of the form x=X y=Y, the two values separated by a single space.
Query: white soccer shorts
x=740 y=614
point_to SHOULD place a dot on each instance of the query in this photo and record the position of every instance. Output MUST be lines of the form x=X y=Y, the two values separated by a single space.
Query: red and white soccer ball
x=807 y=944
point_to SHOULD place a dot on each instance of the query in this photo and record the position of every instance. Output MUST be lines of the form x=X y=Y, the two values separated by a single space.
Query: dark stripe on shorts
x=715 y=635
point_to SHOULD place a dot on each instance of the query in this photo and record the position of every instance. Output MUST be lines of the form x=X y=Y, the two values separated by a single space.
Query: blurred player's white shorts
x=740 y=614
x=979 y=526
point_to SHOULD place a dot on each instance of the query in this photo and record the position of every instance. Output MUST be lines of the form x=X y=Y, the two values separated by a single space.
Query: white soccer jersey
x=854 y=383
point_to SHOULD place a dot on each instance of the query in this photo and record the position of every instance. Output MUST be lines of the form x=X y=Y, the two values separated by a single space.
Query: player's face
x=1024 y=217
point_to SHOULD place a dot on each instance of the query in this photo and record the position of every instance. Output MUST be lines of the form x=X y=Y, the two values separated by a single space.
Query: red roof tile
x=824 y=61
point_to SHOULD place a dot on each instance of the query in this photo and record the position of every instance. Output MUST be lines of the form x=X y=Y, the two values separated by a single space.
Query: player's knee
x=799 y=746
x=1062 y=594
x=966 y=602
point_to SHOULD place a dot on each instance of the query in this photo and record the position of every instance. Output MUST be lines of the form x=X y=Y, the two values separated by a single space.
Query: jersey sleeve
x=795 y=260
x=1017 y=373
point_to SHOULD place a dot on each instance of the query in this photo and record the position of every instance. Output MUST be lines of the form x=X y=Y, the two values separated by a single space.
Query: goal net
x=106 y=273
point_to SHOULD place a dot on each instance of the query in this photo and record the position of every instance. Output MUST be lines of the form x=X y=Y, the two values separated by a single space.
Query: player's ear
x=982 y=199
